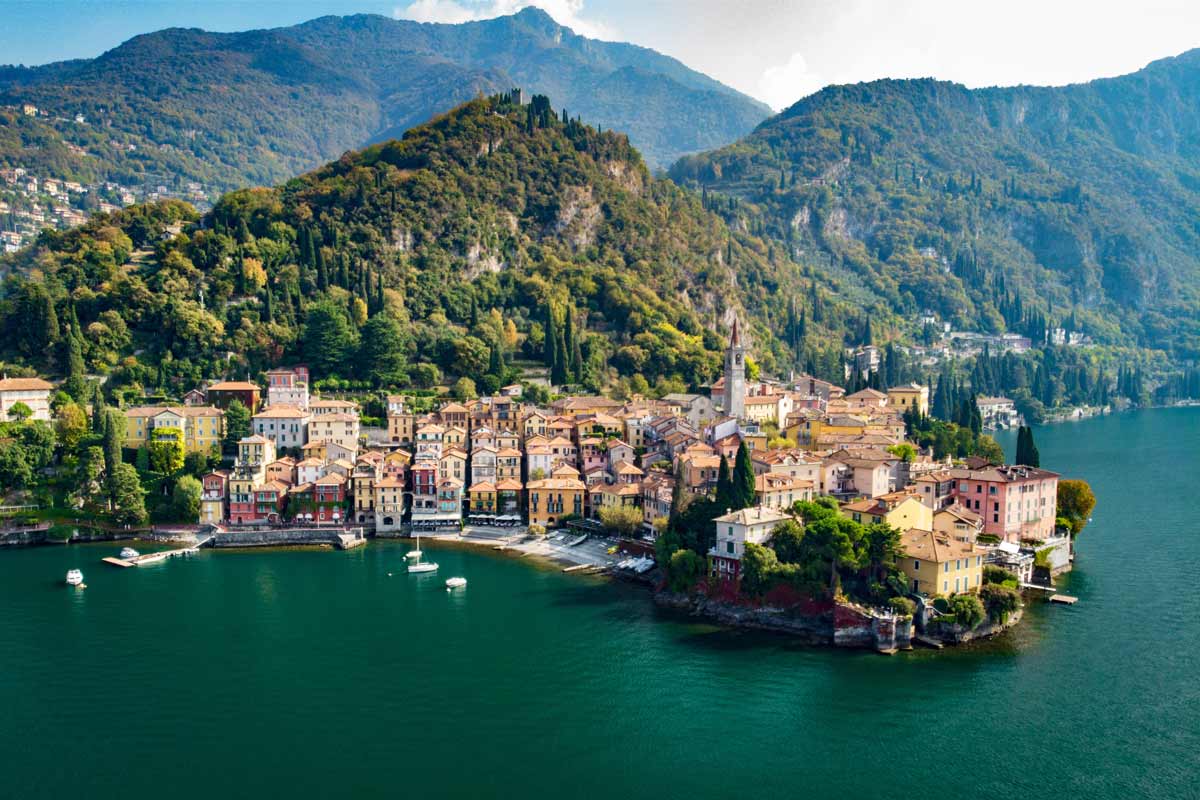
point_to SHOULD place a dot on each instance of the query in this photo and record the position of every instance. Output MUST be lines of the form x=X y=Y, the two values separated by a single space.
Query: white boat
x=74 y=577
x=413 y=554
x=418 y=565
x=128 y=553
x=455 y=583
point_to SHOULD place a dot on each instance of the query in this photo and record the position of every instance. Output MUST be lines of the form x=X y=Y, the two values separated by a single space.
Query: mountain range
x=257 y=107
x=997 y=209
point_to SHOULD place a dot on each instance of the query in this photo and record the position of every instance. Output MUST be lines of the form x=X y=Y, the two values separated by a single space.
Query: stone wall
x=270 y=537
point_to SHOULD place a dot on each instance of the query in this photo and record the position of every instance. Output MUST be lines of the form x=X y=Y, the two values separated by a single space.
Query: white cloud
x=565 y=12
x=783 y=84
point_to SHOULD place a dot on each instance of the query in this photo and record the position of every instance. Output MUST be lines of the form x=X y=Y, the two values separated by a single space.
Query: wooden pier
x=1064 y=599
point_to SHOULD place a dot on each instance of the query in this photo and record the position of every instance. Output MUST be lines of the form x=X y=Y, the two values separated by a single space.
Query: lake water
x=318 y=674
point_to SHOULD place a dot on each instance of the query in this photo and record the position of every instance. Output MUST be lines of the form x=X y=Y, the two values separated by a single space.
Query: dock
x=928 y=641
x=1064 y=599
x=578 y=567
x=152 y=558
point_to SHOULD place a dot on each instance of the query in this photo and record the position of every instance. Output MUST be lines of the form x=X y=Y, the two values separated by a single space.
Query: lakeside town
x=730 y=491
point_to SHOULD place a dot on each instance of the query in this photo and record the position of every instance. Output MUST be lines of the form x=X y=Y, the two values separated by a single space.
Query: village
x=32 y=200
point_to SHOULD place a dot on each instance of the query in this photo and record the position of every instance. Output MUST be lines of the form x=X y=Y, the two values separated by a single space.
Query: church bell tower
x=735 y=375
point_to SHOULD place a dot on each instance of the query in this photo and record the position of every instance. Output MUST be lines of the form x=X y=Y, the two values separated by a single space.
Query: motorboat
x=128 y=553
x=74 y=577
x=455 y=583
x=413 y=554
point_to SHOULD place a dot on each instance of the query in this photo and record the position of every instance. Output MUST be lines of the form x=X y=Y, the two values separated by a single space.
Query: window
x=729 y=546
x=946 y=567
x=916 y=565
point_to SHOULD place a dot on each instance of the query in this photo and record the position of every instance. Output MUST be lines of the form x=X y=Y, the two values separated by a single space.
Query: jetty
x=1064 y=599
x=151 y=558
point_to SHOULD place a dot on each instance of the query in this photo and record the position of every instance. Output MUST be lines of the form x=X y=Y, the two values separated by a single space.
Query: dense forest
x=496 y=238
x=1012 y=209
x=235 y=109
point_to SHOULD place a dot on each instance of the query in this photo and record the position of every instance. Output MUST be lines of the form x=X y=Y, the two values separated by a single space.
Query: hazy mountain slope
x=1077 y=199
x=229 y=109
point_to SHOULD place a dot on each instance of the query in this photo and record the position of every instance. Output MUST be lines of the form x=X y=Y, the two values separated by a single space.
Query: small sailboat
x=418 y=566
x=455 y=583
x=74 y=577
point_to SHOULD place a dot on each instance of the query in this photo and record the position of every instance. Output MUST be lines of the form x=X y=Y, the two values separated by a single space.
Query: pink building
x=1015 y=502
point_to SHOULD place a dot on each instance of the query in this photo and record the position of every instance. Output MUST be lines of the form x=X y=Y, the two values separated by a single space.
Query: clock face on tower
x=737 y=359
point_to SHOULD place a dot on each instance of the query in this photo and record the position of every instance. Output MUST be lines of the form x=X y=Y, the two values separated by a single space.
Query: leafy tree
x=71 y=425
x=328 y=338
x=15 y=470
x=129 y=498
x=237 y=424
x=967 y=609
x=382 y=358
x=999 y=601
x=1075 y=503
x=166 y=451
x=622 y=520
x=464 y=389
x=757 y=569
x=787 y=540
x=686 y=569
x=185 y=501
x=19 y=412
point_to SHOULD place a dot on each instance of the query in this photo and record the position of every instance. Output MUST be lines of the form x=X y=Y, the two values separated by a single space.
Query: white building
x=33 y=392
x=285 y=425
x=734 y=530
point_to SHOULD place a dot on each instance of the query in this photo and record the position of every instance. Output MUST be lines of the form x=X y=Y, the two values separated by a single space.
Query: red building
x=223 y=393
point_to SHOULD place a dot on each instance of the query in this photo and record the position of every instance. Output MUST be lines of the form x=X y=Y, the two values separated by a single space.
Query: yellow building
x=938 y=564
x=898 y=509
x=202 y=426
x=551 y=499
x=338 y=427
x=910 y=395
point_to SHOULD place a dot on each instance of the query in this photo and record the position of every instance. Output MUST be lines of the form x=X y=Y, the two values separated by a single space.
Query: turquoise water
x=316 y=674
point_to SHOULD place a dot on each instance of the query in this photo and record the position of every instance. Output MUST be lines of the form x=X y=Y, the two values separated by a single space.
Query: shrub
x=537 y=530
x=902 y=606
x=1000 y=601
x=997 y=575
x=967 y=609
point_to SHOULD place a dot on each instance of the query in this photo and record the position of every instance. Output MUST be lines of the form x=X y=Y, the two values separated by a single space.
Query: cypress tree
x=322 y=276
x=724 y=486
x=268 y=305
x=743 y=479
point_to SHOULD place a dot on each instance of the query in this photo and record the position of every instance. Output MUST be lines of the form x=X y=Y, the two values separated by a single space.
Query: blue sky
x=776 y=50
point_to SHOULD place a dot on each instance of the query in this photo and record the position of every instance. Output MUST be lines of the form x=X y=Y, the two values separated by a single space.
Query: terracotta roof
x=931 y=546
x=753 y=515
x=284 y=412
x=233 y=386
x=556 y=483
x=389 y=483
x=24 y=385
x=483 y=486
x=508 y=485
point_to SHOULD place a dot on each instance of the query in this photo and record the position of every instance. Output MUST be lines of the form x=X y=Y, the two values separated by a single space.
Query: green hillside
x=493 y=234
x=257 y=107
x=999 y=209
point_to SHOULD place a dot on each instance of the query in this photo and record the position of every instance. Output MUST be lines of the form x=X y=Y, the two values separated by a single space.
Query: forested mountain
x=496 y=233
x=234 y=109
x=999 y=209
